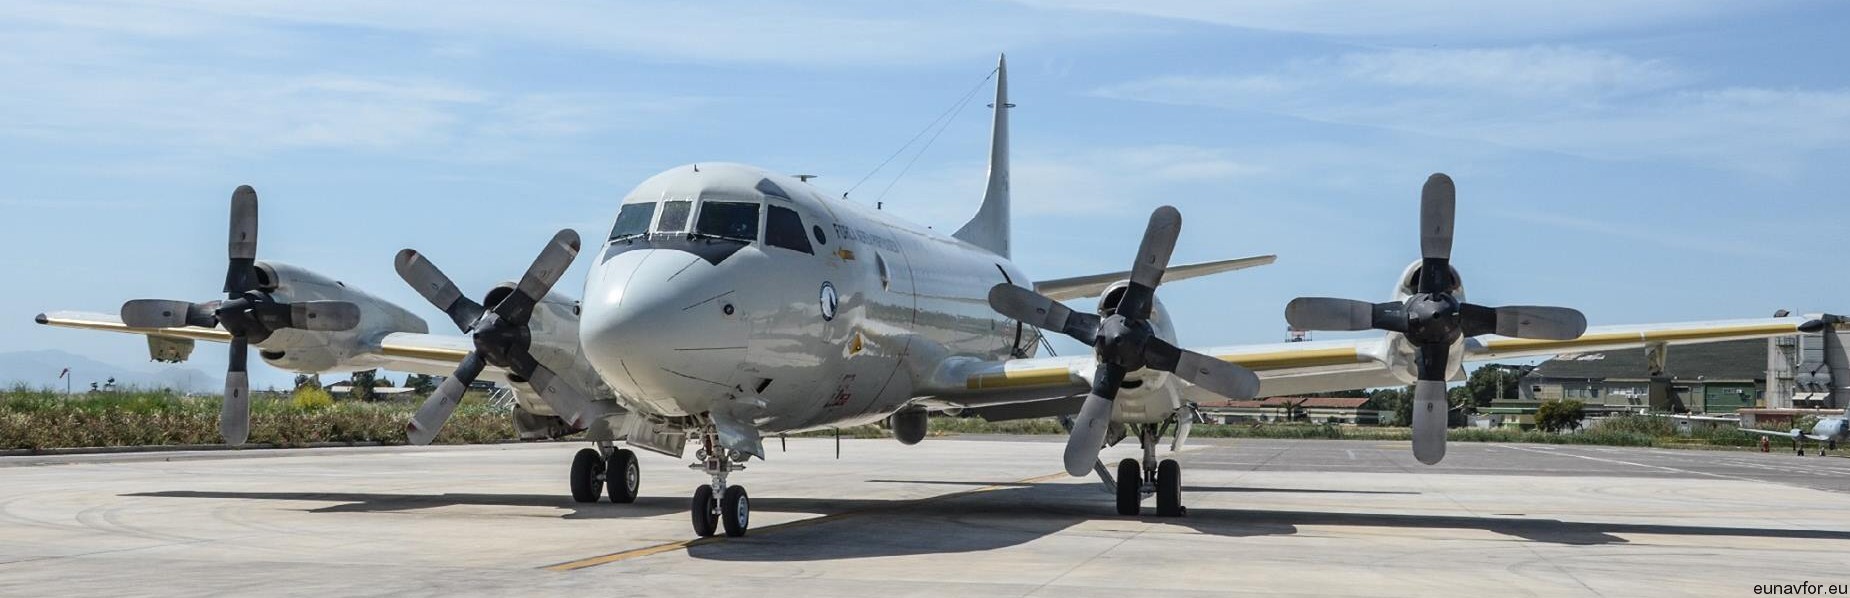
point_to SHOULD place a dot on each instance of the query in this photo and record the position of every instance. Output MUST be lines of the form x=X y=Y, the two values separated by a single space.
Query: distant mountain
x=40 y=369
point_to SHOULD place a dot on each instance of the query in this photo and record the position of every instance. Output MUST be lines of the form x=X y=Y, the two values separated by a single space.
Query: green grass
x=36 y=420
x=42 y=419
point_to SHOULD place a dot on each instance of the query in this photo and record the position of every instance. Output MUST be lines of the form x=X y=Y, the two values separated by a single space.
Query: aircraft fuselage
x=726 y=288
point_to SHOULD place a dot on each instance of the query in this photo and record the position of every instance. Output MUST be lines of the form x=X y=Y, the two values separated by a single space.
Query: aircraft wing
x=1788 y=434
x=1061 y=289
x=431 y=354
x=1316 y=366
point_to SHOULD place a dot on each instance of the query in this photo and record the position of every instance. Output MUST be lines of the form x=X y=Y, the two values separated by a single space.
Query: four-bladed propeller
x=501 y=334
x=1433 y=318
x=1123 y=341
x=250 y=313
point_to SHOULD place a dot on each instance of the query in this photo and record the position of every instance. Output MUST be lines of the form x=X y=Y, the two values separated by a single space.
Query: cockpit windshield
x=733 y=220
x=633 y=220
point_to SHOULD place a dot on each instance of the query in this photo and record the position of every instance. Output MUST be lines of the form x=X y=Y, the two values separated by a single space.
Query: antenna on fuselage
x=805 y=177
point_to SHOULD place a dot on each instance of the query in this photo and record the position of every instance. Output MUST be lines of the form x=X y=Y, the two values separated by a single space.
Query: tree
x=1342 y=394
x=1559 y=416
x=362 y=383
x=1397 y=400
x=1493 y=381
x=307 y=380
x=421 y=383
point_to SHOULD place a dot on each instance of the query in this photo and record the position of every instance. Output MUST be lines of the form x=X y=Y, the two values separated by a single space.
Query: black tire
x=1169 y=489
x=586 y=466
x=735 y=509
x=1130 y=488
x=702 y=509
x=623 y=476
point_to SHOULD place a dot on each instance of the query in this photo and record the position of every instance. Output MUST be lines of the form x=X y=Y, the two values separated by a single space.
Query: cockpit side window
x=733 y=220
x=674 y=216
x=633 y=219
x=783 y=228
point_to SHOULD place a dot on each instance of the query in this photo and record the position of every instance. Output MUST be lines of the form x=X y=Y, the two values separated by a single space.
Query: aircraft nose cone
x=661 y=326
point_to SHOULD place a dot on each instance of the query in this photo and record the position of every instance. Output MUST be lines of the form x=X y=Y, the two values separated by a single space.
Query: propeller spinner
x=1433 y=318
x=1123 y=341
x=500 y=333
x=250 y=313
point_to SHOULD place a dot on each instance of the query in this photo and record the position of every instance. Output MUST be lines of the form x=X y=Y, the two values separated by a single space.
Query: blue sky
x=1643 y=160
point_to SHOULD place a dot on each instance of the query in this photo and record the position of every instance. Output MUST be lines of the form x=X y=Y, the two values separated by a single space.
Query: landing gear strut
x=593 y=469
x=718 y=504
x=1139 y=479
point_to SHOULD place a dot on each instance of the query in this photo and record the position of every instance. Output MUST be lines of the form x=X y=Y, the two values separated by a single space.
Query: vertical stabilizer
x=989 y=229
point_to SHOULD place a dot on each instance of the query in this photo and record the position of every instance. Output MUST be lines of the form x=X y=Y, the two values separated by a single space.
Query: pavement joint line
x=637 y=553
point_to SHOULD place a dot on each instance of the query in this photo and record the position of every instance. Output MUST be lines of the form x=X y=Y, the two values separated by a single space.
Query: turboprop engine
x=1429 y=319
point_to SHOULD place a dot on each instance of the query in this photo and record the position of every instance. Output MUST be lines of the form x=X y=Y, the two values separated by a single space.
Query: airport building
x=1715 y=378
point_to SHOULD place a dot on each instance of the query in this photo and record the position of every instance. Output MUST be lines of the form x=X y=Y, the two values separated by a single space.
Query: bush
x=1560 y=416
x=310 y=398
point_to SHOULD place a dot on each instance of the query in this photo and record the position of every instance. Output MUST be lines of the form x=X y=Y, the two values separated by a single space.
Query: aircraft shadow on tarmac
x=1010 y=515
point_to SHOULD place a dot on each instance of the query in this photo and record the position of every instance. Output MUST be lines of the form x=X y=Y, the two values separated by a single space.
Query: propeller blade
x=547 y=267
x=1087 y=437
x=565 y=398
x=1159 y=243
x=437 y=288
x=324 y=315
x=1037 y=310
x=1213 y=375
x=437 y=409
x=1438 y=203
x=234 y=415
x=166 y=313
x=1430 y=411
x=1523 y=321
x=1329 y=313
x=241 y=275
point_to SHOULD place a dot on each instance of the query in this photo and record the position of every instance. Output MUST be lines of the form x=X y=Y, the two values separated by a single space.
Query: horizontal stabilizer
x=1092 y=285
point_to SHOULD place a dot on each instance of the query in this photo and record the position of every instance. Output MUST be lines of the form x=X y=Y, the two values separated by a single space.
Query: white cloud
x=1440 y=19
x=1560 y=99
x=732 y=31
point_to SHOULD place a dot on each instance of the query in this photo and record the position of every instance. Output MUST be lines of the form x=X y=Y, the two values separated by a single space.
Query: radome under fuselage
x=680 y=321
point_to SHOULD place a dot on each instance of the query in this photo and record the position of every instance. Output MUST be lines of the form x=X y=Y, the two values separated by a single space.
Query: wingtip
x=41 y=319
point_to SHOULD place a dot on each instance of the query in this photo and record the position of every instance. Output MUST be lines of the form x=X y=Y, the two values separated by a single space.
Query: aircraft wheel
x=702 y=509
x=1130 y=487
x=623 y=475
x=1169 y=489
x=587 y=465
x=735 y=508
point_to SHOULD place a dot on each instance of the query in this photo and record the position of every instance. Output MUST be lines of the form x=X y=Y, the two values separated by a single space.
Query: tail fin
x=989 y=229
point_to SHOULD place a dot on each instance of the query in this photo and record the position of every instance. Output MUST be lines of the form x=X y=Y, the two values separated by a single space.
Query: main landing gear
x=594 y=469
x=1137 y=480
x=718 y=504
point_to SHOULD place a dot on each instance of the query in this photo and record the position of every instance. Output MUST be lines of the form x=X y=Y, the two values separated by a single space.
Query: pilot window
x=729 y=219
x=633 y=219
x=783 y=228
x=674 y=216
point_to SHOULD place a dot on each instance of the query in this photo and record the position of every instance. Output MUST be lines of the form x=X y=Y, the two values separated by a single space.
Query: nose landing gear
x=719 y=505
x=1138 y=480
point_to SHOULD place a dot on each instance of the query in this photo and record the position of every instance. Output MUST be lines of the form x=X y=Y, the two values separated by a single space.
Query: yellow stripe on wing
x=1594 y=340
x=1256 y=361
x=84 y=322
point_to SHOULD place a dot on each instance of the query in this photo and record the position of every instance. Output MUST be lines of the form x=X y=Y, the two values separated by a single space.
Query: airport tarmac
x=963 y=516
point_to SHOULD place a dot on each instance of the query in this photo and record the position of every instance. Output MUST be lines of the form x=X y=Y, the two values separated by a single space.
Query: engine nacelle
x=1399 y=357
x=1146 y=381
x=316 y=351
